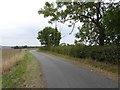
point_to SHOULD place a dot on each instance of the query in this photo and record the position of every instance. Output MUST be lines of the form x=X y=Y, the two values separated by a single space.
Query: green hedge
x=108 y=54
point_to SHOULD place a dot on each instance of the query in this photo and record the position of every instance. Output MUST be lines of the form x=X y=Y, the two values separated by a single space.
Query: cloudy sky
x=20 y=23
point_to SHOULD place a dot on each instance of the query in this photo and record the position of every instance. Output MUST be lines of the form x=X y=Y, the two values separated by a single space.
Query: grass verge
x=25 y=74
x=107 y=70
x=0 y=82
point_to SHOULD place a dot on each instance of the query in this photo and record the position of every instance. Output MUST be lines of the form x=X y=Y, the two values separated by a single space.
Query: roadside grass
x=25 y=74
x=0 y=68
x=107 y=70
x=33 y=77
x=12 y=79
x=0 y=82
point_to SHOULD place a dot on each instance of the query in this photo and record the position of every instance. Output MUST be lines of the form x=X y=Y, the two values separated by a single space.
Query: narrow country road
x=61 y=74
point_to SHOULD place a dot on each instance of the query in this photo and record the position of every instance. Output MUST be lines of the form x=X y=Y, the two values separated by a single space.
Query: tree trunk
x=101 y=40
x=101 y=36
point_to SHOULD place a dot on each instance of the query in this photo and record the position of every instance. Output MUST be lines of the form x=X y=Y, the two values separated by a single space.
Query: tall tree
x=49 y=37
x=111 y=21
x=90 y=13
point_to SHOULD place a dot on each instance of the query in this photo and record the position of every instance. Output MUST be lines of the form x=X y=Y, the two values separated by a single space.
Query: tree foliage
x=49 y=36
x=91 y=14
x=112 y=24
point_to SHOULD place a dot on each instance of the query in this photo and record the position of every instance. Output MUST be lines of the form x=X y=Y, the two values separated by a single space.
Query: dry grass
x=33 y=77
x=26 y=74
x=0 y=60
x=10 y=57
x=0 y=69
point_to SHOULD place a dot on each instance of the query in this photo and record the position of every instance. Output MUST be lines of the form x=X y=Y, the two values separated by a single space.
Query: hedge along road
x=61 y=74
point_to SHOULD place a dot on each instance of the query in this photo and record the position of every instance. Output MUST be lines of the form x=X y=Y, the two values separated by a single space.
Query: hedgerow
x=108 y=54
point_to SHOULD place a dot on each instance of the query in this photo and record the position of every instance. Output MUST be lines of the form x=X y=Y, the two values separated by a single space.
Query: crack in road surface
x=61 y=74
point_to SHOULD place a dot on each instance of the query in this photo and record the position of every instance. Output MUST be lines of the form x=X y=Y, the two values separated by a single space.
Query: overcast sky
x=20 y=23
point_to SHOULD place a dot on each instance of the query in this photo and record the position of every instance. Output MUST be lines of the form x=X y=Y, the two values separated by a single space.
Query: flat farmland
x=10 y=57
x=20 y=70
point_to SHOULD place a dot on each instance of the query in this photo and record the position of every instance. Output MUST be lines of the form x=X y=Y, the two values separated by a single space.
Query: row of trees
x=24 y=47
x=101 y=22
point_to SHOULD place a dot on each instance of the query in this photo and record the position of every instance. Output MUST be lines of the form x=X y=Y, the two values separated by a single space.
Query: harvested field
x=10 y=57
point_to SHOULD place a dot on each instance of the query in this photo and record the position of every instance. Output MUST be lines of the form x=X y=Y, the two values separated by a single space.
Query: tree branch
x=73 y=27
x=64 y=20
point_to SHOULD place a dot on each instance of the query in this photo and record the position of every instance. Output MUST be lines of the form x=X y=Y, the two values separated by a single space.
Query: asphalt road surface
x=61 y=74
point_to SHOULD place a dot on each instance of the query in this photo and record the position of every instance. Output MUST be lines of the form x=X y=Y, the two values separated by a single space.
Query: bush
x=108 y=54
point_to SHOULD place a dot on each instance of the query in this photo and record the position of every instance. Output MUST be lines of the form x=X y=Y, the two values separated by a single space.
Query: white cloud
x=15 y=13
x=20 y=22
x=16 y=16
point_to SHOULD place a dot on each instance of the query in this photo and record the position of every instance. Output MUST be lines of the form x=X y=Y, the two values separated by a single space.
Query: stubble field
x=10 y=57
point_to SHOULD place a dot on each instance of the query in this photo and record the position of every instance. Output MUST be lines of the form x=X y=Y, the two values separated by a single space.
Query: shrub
x=108 y=54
